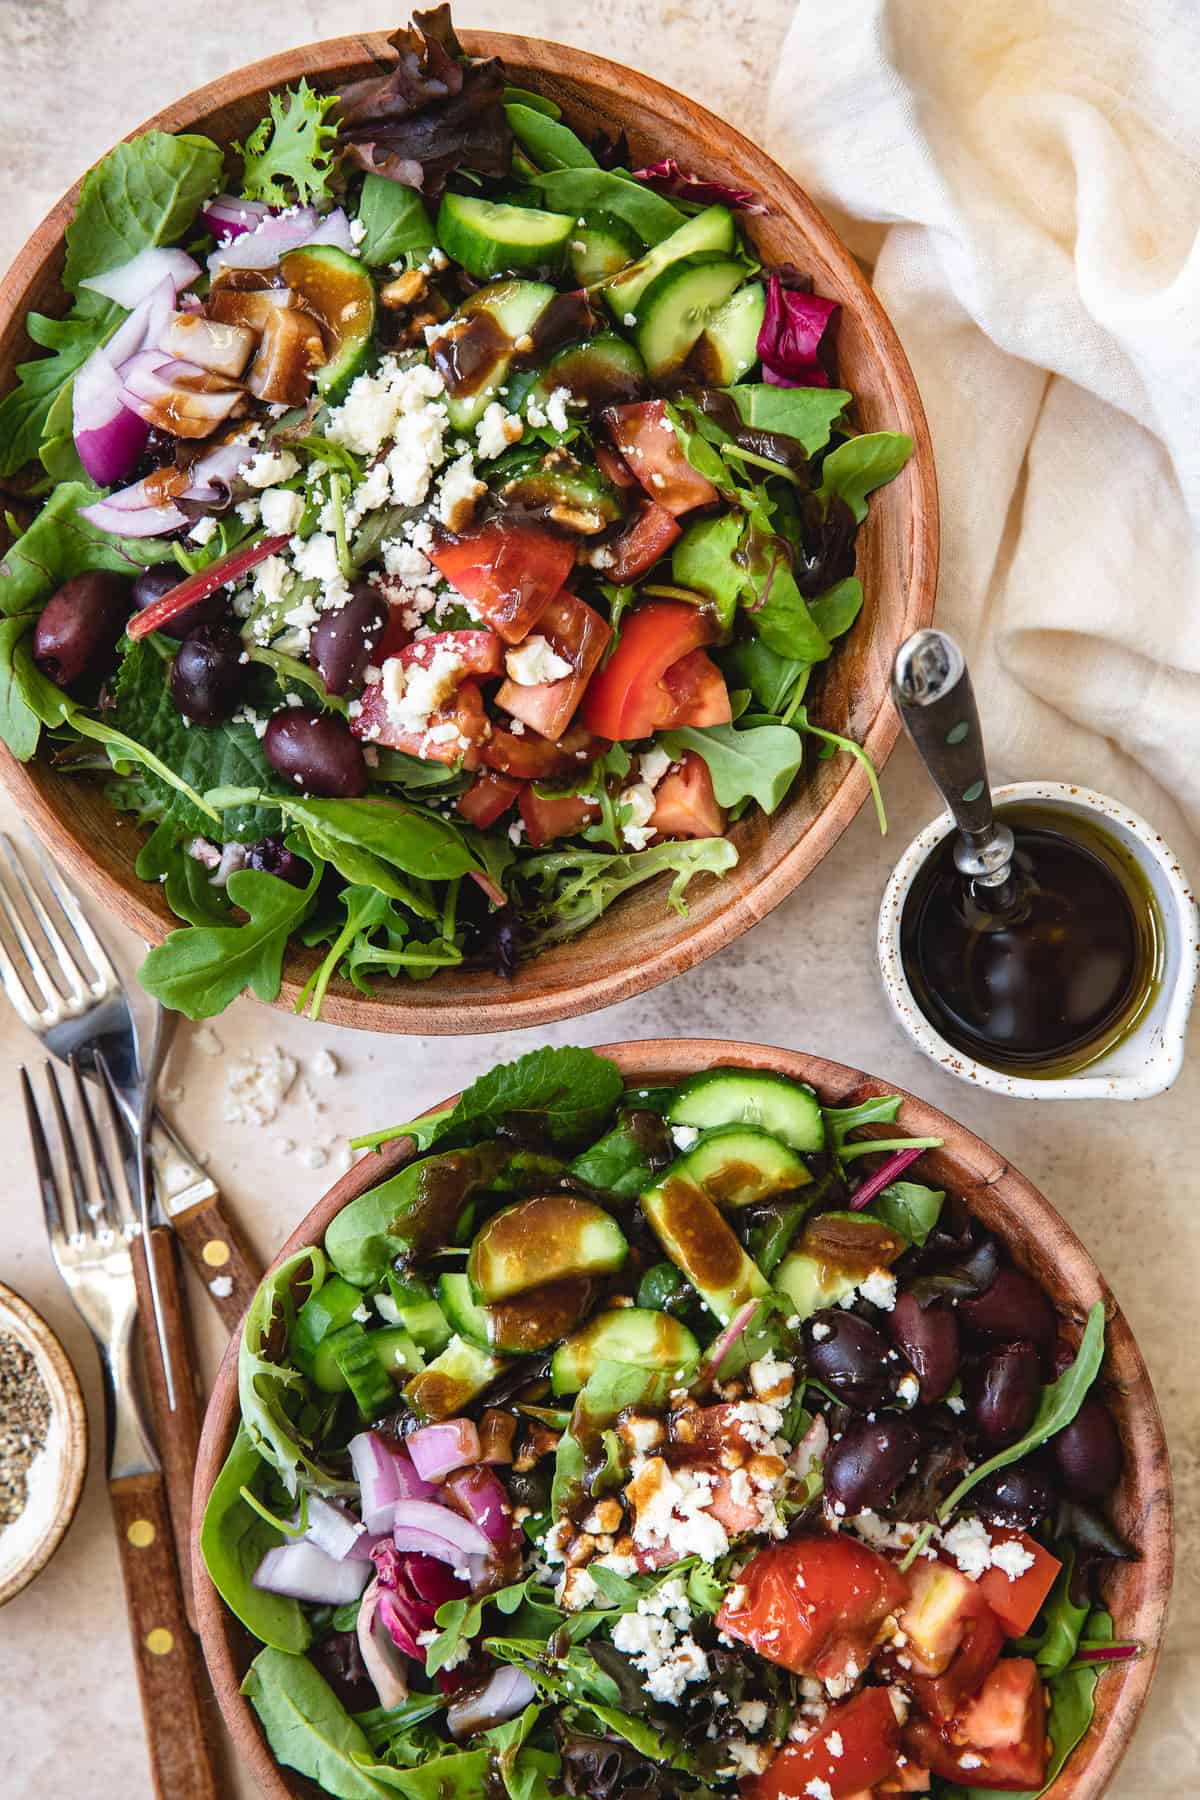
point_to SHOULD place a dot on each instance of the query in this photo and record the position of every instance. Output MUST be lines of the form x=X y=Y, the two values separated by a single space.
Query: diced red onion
x=479 y=1496
x=156 y=386
x=207 y=343
x=136 y=279
x=385 y=1476
x=508 y=1692
x=334 y=229
x=437 y=1449
x=146 y=521
x=214 y=474
x=108 y=437
x=382 y=1657
x=263 y=245
x=497 y=1430
x=437 y=1531
x=365 y=1545
x=304 y=1572
x=228 y=217
x=331 y=1527
x=883 y=1177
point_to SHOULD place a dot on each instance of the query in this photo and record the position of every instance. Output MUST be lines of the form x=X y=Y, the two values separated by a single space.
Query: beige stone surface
x=76 y=77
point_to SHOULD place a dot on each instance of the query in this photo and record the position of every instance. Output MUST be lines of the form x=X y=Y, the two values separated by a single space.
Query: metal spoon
x=934 y=697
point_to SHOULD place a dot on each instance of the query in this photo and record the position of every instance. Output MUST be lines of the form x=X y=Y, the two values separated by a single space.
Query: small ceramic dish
x=56 y=1476
x=1149 y=1057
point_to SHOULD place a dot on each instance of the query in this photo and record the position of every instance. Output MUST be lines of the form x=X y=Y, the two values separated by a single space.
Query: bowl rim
x=513 y=1008
x=991 y=1185
x=25 y=1323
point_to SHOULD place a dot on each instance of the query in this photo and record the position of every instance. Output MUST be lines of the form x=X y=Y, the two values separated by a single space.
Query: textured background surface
x=77 y=77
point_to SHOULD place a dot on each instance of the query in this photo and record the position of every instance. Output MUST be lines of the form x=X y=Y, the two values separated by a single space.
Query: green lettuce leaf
x=289 y=154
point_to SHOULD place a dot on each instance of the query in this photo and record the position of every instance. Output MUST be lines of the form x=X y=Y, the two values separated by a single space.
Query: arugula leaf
x=308 y=1728
x=835 y=611
x=565 y=891
x=862 y=464
x=803 y=413
x=773 y=680
x=397 y=223
x=234 y=1538
x=289 y=154
x=760 y=762
x=571 y=1091
x=703 y=560
x=833 y=741
x=457 y=1621
x=882 y=1109
x=1059 y=1403
x=909 y=1208
x=200 y=969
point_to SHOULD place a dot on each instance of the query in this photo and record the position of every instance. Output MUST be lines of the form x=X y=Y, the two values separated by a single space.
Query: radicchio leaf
x=435 y=112
x=666 y=177
x=795 y=341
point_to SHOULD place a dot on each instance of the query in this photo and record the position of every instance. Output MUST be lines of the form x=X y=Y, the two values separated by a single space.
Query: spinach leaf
x=414 y=842
x=308 y=1728
x=804 y=413
x=60 y=544
x=418 y=1208
x=778 y=611
x=860 y=465
x=1055 y=1646
x=579 y=191
x=615 y=1163
x=835 y=611
x=397 y=224
x=909 y=1208
x=703 y=560
x=610 y=1388
x=234 y=1538
x=561 y=892
x=200 y=969
x=550 y=144
x=759 y=762
x=1058 y=1405
x=842 y=1120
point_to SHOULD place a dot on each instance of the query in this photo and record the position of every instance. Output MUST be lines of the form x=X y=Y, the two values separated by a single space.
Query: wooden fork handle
x=179 y=1717
x=222 y=1256
x=177 y=1433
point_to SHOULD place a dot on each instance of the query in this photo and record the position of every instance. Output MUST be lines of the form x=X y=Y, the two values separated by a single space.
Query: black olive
x=316 y=753
x=208 y=675
x=343 y=643
x=272 y=856
x=77 y=633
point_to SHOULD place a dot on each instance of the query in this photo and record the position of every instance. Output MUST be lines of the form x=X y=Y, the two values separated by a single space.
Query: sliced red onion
x=158 y=388
x=508 y=1692
x=214 y=474
x=135 y=280
x=108 y=437
x=262 y=247
x=385 y=1476
x=437 y=1449
x=438 y=1532
x=480 y=1497
x=382 y=1657
x=811 y=1447
x=206 y=343
x=304 y=1572
x=228 y=217
x=330 y=1526
x=334 y=229
x=365 y=1545
x=148 y=521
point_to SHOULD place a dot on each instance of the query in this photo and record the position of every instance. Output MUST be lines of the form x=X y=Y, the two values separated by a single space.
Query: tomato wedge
x=1017 y=1603
x=648 y=535
x=580 y=636
x=176 y=600
x=856 y=1745
x=510 y=572
x=547 y=819
x=613 y=464
x=814 y=1604
x=629 y=698
x=697 y=687
x=684 y=803
x=646 y=439
x=998 y=1740
x=487 y=798
x=465 y=711
x=532 y=758
x=480 y=652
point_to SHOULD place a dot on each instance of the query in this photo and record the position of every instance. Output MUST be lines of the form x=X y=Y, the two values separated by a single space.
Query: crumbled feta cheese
x=771 y=1378
x=576 y=1590
x=630 y=319
x=393 y=404
x=416 y=690
x=821 y=1331
x=516 y=832
x=534 y=662
x=752 y=1714
x=281 y=511
x=269 y=467
x=970 y=1545
x=497 y=429
x=637 y=807
x=956 y=1403
x=272 y=578
x=458 y=492
x=684 y=1136
x=203 y=530
x=247 y=511
x=670 y=1510
x=1013 y=1558
x=358 y=231
x=653 y=765
x=908 y=1388
x=969 y=1760
x=315 y=558
x=880 y=1289
x=651 y=1637
x=556 y=409
x=820 y=1790
x=834 y=1744
x=256 y=1087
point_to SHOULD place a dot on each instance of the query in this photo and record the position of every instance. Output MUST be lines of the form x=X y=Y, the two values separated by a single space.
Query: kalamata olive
x=343 y=642
x=1013 y=1307
x=208 y=676
x=928 y=1338
x=79 y=627
x=531 y=1487
x=850 y=1358
x=868 y=1462
x=1019 y=1496
x=315 y=751
x=272 y=856
x=1003 y=1393
x=1088 y=1452
x=153 y=583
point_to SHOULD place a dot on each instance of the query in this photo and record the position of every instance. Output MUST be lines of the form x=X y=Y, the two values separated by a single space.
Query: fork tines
x=87 y=1207
x=44 y=932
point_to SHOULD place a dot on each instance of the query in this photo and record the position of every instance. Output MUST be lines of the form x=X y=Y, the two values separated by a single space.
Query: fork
x=92 y=1242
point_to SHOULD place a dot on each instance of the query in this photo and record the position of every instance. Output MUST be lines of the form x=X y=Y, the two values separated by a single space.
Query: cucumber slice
x=479 y=339
x=453 y=1380
x=338 y=291
x=324 y=1317
x=545 y=1239
x=837 y=1251
x=568 y=492
x=605 y=371
x=626 y=1334
x=677 y=307
x=489 y=238
x=365 y=1376
x=737 y=1165
x=463 y=1312
x=708 y=232
x=701 y=1244
x=787 y=1109
x=602 y=248
x=727 y=348
x=530 y=1322
x=411 y=1304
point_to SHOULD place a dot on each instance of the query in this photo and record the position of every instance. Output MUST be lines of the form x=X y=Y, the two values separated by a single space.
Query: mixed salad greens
x=434 y=536
x=636 y=1443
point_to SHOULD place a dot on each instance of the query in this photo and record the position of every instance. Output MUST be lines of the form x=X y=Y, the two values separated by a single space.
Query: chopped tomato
x=646 y=439
x=533 y=758
x=942 y=1606
x=580 y=636
x=856 y=1745
x=941 y=1695
x=814 y=1604
x=510 y=572
x=629 y=697
x=546 y=819
x=638 y=545
x=698 y=689
x=998 y=1740
x=1017 y=1603
x=684 y=803
x=465 y=712
x=488 y=796
x=613 y=464
x=908 y=1778
x=480 y=652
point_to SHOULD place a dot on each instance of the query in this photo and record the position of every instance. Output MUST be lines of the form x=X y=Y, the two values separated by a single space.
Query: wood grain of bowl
x=1040 y=1241
x=641 y=941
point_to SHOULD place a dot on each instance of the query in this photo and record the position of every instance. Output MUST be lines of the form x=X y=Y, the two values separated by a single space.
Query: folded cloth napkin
x=1025 y=177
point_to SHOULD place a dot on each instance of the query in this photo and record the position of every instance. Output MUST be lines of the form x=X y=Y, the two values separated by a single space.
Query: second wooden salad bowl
x=641 y=941
x=1136 y=1593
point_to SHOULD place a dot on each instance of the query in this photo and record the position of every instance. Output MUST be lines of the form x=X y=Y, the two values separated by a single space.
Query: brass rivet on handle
x=160 y=1642
x=216 y=1253
x=141 y=1534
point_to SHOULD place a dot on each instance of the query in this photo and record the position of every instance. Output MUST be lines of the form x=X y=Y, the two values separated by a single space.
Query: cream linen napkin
x=1025 y=177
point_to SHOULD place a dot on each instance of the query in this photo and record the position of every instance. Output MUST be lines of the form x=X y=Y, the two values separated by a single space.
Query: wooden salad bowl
x=641 y=941
x=1041 y=1242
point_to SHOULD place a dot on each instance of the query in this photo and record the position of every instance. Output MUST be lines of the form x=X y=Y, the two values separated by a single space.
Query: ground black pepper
x=24 y=1424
